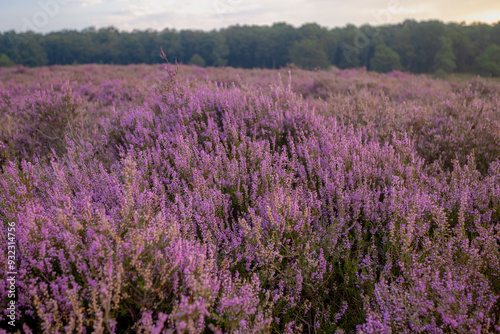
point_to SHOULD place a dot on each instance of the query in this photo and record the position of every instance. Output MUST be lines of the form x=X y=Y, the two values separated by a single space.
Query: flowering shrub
x=246 y=208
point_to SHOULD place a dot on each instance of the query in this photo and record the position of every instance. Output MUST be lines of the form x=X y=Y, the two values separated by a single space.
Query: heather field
x=181 y=199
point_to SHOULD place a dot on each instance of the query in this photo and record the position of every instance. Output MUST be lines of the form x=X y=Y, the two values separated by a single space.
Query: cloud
x=212 y=14
x=83 y=2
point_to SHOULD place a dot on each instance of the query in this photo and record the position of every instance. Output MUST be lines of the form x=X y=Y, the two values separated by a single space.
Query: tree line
x=419 y=47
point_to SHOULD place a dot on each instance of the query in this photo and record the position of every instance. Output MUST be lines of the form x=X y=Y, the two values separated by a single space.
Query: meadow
x=181 y=199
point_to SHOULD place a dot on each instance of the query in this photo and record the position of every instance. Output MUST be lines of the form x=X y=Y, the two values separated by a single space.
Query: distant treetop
x=419 y=47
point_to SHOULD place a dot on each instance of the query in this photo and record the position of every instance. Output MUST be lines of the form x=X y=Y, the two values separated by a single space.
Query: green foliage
x=309 y=55
x=404 y=47
x=384 y=60
x=5 y=61
x=422 y=47
x=347 y=54
x=197 y=60
x=489 y=61
x=425 y=39
x=440 y=74
x=445 y=58
x=25 y=48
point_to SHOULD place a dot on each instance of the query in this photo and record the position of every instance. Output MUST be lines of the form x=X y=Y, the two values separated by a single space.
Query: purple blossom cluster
x=341 y=201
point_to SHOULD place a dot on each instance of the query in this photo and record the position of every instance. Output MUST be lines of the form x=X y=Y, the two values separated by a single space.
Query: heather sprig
x=340 y=201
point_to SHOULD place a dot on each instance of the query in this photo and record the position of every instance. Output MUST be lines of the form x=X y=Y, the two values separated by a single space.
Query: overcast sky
x=50 y=15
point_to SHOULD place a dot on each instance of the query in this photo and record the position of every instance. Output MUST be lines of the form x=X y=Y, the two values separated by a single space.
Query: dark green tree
x=425 y=40
x=211 y=47
x=192 y=42
x=384 y=60
x=272 y=45
x=461 y=46
x=131 y=49
x=423 y=47
x=282 y=37
x=197 y=60
x=308 y=54
x=242 y=42
x=488 y=63
x=5 y=61
x=170 y=41
x=402 y=45
x=106 y=42
x=445 y=58
x=264 y=47
x=25 y=48
x=495 y=33
x=347 y=53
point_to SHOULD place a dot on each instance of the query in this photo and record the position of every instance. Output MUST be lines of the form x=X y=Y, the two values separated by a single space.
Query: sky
x=52 y=15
